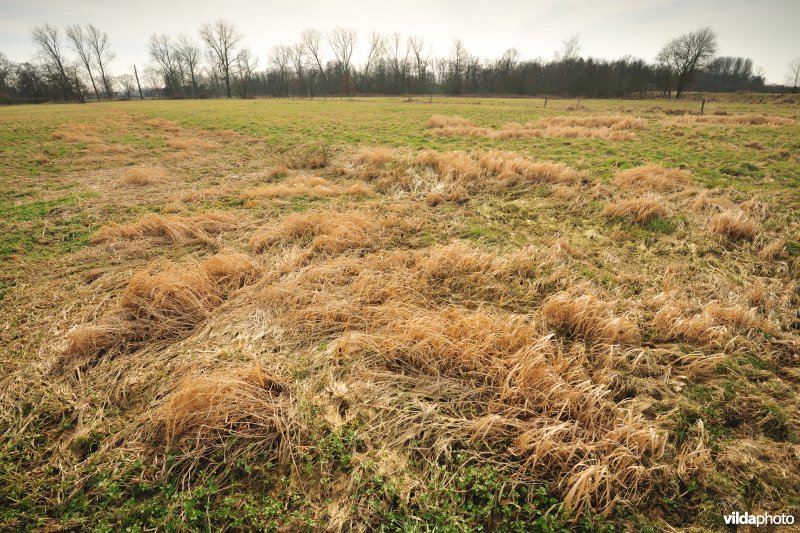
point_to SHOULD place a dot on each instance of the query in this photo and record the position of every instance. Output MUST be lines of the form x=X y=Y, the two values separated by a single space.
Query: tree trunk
x=141 y=96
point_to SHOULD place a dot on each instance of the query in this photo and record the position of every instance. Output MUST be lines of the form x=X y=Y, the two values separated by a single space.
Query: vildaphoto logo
x=764 y=519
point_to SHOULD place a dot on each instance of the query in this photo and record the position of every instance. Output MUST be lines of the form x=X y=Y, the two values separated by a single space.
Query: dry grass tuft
x=751 y=119
x=176 y=229
x=106 y=148
x=734 y=225
x=612 y=122
x=307 y=186
x=226 y=134
x=164 y=305
x=333 y=233
x=189 y=144
x=608 y=128
x=76 y=133
x=588 y=317
x=774 y=250
x=396 y=316
x=710 y=326
x=375 y=156
x=145 y=176
x=654 y=178
x=310 y=186
x=163 y=124
x=494 y=170
x=243 y=403
x=441 y=121
x=639 y=210
x=310 y=157
x=452 y=167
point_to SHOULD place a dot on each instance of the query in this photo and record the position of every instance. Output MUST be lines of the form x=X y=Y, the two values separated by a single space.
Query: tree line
x=75 y=65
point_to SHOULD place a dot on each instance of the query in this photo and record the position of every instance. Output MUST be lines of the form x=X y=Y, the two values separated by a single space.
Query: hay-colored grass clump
x=589 y=317
x=712 y=325
x=734 y=226
x=652 y=178
x=375 y=156
x=333 y=233
x=164 y=305
x=773 y=250
x=76 y=133
x=189 y=144
x=640 y=210
x=608 y=128
x=246 y=403
x=441 y=121
x=176 y=229
x=145 y=176
x=748 y=119
x=305 y=186
x=163 y=124
x=494 y=170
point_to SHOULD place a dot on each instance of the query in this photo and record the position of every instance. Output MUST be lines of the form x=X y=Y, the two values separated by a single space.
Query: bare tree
x=246 y=64
x=166 y=57
x=398 y=60
x=80 y=44
x=101 y=50
x=279 y=59
x=154 y=78
x=570 y=49
x=458 y=61
x=128 y=84
x=189 y=55
x=222 y=38
x=48 y=40
x=342 y=42
x=686 y=54
x=312 y=41
x=793 y=76
x=421 y=59
x=376 y=48
x=297 y=57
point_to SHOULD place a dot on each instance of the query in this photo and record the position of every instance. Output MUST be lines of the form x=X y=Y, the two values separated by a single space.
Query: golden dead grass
x=311 y=186
x=398 y=312
x=106 y=148
x=246 y=403
x=493 y=170
x=145 y=176
x=375 y=156
x=450 y=166
x=76 y=133
x=441 y=121
x=615 y=122
x=751 y=119
x=189 y=144
x=639 y=210
x=774 y=250
x=608 y=128
x=163 y=124
x=308 y=186
x=733 y=225
x=176 y=229
x=654 y=178
x=226 y=134
x=713 y=325
x=591 y=318
x=332 y=232
x=163 y=305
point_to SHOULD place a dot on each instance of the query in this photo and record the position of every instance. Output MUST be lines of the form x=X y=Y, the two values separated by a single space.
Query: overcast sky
x=766 y=30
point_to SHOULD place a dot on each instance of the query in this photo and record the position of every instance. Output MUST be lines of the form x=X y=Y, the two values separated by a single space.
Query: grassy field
x=454 y=315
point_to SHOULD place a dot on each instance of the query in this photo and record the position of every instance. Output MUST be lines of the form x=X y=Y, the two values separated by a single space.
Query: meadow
x=448 y=314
